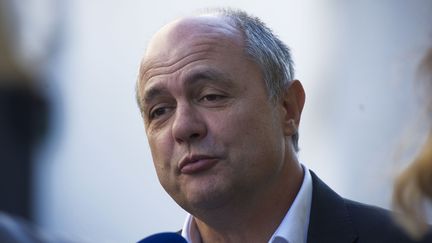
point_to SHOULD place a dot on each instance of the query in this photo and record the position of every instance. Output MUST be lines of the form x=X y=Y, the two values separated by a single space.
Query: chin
x=206 y=199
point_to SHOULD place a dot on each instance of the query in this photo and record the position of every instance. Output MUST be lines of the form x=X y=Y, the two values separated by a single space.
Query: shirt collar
x=293 y=228
x=190 y=231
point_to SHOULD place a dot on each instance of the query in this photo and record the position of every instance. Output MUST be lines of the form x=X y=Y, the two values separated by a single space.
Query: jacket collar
x=330 y=220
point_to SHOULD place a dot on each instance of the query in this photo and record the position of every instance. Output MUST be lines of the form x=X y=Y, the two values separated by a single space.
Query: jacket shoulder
x=374 y=223
x=336 y=219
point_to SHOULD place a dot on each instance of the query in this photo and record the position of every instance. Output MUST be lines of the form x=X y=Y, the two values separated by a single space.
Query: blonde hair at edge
x=413 y=187
x=13 y=74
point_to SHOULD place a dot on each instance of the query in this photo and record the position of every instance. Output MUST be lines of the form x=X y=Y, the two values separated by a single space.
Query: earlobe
x=293 y=99
x=290 y=127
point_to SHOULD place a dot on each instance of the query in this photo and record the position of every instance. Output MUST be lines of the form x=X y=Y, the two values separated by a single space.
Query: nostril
x=194 y=135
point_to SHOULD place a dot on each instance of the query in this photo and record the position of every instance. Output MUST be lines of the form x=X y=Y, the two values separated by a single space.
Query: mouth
x=196 y=164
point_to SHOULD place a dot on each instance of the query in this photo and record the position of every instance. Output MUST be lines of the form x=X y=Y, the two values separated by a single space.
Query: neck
x=256 y=218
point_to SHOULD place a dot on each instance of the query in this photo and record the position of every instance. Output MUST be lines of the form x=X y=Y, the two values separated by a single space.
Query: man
x=221 y=110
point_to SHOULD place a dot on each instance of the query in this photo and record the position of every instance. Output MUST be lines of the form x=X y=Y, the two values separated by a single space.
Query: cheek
x=161 y=149
x=236 y=131
x=248 y=122
x=162 y=152
x=253 y=130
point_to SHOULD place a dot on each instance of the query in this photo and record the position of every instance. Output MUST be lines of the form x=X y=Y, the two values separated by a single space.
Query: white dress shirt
x=293 y=228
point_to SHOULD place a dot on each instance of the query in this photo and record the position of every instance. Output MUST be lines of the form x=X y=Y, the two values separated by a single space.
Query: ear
x=292 y=101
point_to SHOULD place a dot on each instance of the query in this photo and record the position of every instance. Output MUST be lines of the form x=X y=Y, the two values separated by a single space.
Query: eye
x=158 y=112
x=212 y=97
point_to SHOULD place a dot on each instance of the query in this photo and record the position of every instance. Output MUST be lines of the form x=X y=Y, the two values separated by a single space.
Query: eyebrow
x=191 y=80
x=153 y=92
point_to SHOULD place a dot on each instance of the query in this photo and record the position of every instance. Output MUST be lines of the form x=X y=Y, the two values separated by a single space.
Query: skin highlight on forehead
x=190 y=27
x=194 y=31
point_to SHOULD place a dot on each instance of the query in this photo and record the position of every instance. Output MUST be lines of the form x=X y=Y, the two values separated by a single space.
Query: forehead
x=197 y=25
x=189 y=38
x=187 y=30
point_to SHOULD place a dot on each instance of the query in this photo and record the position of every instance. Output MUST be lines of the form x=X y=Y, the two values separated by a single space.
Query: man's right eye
x=157 y=112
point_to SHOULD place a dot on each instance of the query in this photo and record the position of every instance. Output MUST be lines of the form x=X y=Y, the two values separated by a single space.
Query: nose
x=189 y=125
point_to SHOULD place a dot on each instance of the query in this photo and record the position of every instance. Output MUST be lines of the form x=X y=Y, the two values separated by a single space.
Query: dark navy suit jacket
x=334 y=219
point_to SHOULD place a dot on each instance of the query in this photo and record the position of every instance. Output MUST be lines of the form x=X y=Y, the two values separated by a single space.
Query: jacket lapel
x=329 y=218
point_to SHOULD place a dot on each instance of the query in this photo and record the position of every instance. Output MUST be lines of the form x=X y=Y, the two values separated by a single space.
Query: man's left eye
x=212 y=97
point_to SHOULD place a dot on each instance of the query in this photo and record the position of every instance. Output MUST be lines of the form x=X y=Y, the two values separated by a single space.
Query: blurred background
x=74 y=157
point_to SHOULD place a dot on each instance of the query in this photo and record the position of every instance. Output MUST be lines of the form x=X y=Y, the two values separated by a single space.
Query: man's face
x=214 y=135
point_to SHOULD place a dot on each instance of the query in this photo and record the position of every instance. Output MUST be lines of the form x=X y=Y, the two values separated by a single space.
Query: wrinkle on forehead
x=200 y=51
x=159 y=65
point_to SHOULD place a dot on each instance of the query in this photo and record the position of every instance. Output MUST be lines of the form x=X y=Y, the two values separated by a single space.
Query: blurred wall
x=95 y=178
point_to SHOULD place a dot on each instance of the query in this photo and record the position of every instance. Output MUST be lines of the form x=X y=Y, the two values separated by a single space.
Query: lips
x=196 y=164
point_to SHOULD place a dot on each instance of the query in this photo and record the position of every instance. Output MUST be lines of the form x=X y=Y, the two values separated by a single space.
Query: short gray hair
x=266 y=50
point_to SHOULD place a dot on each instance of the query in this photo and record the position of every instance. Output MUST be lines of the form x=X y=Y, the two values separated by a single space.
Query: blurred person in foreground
x=221 y=110
x=23 y=123
x=413 y=187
